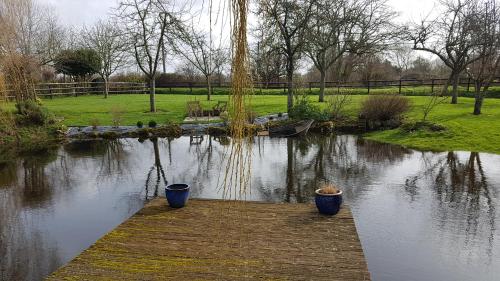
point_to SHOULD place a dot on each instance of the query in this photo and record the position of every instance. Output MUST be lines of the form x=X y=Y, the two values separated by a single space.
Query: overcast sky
x=79 y=12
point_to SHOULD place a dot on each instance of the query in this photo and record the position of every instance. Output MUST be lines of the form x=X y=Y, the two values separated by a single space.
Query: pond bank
x=28 y=139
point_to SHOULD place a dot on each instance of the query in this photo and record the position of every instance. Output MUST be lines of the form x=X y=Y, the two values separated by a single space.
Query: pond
x=420 y=215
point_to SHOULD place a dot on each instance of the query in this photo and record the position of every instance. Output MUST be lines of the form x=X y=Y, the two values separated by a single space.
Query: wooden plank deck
x=221 y=240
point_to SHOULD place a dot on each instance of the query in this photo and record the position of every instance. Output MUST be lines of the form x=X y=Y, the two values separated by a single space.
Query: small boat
x=291 y=130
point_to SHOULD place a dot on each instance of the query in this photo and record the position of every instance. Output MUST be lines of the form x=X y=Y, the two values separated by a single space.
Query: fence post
x=284 y=87
x=191 y=88
x=50 y=91
x=368 y=86
x=400 y=86
x=432 y=85
x=310 y=87
x=468 y=84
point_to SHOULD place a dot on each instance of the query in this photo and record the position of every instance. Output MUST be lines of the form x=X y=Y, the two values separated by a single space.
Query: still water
x=420 y=215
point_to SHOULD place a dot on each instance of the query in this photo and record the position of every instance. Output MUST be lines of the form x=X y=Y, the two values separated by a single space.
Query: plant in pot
x=177 y=195
x=328 y=199
x=140 y=124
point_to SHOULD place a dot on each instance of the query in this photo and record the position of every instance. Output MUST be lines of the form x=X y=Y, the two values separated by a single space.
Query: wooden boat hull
x=293 y=130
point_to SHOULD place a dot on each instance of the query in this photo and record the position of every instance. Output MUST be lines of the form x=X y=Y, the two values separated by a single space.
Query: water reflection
x=155 y=170
x=420 y=215
x=465 y=199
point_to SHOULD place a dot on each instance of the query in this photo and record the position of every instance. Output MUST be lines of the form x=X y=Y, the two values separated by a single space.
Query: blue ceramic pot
x=328 y=204
x=177 y=195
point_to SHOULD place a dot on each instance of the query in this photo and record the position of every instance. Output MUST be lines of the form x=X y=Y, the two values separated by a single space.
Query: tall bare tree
x=268 y=62
x=147 y=23
x=290 y=18
x=342 y=26
x=37 y=29
x=450 y=36
x=486 y=65
x=197 y=48
x=107 y=40
x=402 y=58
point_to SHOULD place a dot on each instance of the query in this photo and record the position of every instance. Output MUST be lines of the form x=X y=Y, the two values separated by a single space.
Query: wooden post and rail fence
x=51 y=90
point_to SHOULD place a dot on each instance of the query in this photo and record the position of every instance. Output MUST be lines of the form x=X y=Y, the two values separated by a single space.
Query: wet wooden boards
x=222 y=240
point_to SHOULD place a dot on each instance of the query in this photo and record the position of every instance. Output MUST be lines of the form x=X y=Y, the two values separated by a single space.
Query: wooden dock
x=221 y=240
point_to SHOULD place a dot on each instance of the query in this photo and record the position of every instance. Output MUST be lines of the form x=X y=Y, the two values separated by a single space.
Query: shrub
x=251 y=115
x=95 y=123
x=30 y=113
x=117 y=115
x=140 y=124
x=384 y=107
x=152 y=124
x=410 y=127
x=304 y=109
x=337 y=104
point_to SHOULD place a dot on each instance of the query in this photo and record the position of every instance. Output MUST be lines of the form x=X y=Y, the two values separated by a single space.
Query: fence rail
x=433 y=83
x=51 y=90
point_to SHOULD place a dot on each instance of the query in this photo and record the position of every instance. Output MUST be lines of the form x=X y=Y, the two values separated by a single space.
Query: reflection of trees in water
x=377 y=152
x=204 y=158
x=26 y=183
x=114 y=160
x=157 y=170
x=41 y=173
x=346 y=161
x=464 y=198
x=8 y=174
x=110 y=155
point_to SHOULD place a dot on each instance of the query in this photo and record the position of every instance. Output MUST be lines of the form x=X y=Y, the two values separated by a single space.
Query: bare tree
x=450 y=36
x=432 y=102
x=196 y=47
x=402 y=58
x=37 y=30
x=268 y=62
x=187 y=69
x=106 y=39
x=487 y=56
x=290 y=18
x=341 y=26
x=147 y=23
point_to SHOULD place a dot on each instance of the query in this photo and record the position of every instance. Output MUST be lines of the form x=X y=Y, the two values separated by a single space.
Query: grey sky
x=79 y=12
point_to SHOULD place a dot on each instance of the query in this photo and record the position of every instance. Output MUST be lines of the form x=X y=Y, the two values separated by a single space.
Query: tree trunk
x=478 y=103
x=106 y=87
x=152 y=93
x=209 y=87
x=454 y=93
x=444 y=91
x=289 y=80
x=322 y=86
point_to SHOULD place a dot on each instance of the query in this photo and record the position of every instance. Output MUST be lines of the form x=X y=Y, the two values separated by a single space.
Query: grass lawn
x=465 y=131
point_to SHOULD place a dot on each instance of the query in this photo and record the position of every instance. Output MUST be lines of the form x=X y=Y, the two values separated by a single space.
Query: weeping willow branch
x=238 y=166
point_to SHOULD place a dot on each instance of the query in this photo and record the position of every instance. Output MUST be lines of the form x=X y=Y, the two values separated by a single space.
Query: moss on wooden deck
x=220 y=240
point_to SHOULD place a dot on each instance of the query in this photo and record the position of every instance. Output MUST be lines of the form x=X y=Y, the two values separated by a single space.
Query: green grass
x=405 y=90
x=465 y=131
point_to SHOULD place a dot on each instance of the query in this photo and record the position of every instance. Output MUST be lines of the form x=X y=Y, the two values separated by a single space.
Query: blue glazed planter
x=177 y=195
x=328 y=204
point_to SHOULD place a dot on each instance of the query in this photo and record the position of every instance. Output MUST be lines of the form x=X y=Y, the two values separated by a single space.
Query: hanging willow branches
x=238 y=167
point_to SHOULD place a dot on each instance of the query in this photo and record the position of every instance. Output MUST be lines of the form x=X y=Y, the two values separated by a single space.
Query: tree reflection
x=25 y=184
x=461 y=188
x=156 y=174
x=346 y=161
